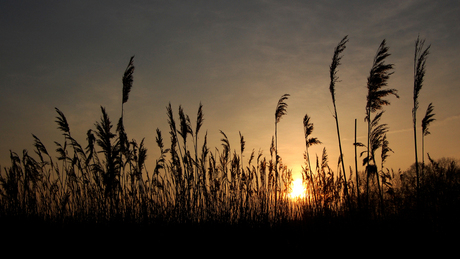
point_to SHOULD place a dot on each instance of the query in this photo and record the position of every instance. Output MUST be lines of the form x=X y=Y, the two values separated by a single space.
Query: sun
x=298 y=190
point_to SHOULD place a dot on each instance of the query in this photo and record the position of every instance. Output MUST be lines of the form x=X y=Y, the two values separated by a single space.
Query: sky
x=235 y=57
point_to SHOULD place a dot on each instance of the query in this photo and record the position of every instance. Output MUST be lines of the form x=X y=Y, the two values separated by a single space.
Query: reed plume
x=308 y=130
x=426 y=121
x=281 y=108
x=111 y=151
x=385 y=149
x=41 y=149
x=379 y=75
x=63 y=125
x=128 y=80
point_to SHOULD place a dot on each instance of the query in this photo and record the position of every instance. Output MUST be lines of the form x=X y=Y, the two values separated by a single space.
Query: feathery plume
x=281 y=107
x=428 y=119
x=308 y=130
x=62 y=123
x=379 y=75
x=335 y=63
x=128 y=80
x=419 y=70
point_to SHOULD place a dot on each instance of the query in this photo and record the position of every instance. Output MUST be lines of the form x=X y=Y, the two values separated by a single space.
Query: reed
x=218 y=187
x=334 y=79
x=419 y=73
x=308 y=130
x=279 y=112
x=107 y=181
x=378 y=77
x=426 y=121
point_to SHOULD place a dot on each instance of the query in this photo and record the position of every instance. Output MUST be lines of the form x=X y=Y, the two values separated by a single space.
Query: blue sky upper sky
x=235 y=57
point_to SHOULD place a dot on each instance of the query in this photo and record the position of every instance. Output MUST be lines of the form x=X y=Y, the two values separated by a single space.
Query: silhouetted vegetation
x=334 y=78
x=105 y=182
x=419 y=73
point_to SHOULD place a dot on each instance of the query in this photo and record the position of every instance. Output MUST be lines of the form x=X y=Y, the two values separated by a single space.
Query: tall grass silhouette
x=419 y=73
x=378 y=77
x=105 y=181
x=308 y=130
x=334 y=79
x=279 y=112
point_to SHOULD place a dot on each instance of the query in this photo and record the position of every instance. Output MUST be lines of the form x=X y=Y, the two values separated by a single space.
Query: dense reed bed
x=104 y=181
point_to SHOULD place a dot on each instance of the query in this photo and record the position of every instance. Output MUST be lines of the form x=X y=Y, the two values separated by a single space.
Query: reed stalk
x=378 y=77
x=419 y=73
x=334 y=79
x=279 y=112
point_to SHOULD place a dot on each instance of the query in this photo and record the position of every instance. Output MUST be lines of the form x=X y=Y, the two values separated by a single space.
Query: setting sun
x=298 y=190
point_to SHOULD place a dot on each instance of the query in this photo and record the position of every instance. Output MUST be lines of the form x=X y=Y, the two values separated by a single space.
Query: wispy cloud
x=436 y=123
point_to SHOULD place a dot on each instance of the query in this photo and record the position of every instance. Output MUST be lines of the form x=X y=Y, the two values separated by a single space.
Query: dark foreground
x=38 y=236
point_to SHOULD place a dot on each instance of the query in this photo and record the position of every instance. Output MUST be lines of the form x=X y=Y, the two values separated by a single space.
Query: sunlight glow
x=298 y=190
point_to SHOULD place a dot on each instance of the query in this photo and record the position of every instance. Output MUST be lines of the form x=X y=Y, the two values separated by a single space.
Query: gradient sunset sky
x=235 y=57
